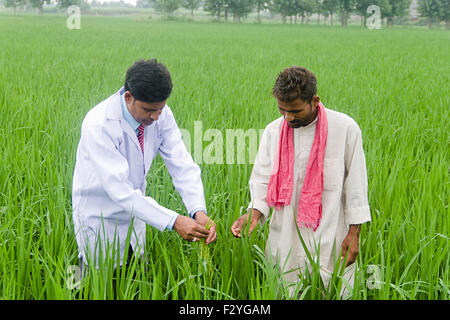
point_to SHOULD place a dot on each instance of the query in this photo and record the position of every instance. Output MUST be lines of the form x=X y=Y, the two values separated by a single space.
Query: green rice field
x=393 y=82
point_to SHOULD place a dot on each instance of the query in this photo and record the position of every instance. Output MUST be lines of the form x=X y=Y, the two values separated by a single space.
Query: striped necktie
x=140 y=136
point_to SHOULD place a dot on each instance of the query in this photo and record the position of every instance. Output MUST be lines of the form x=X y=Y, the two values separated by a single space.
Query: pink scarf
x=280 y=188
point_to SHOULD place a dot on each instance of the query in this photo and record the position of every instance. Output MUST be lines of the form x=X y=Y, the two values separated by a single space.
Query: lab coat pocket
x=332 y=173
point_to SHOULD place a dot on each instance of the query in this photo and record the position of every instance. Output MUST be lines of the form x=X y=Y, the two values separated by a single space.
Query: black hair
x=295 y=82
x=148 y=81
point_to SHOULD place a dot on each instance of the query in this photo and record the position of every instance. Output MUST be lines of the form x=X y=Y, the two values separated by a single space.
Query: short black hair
x=148 y=81
x=295 y=82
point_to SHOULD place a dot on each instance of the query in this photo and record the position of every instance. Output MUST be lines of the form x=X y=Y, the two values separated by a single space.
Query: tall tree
x=191 y=5
x=330 y=6
x=287 y=8
x=385 y=8
x=14 y=4
x=260 y=5
x=346 y=7
x=398 y=8
x=226 y=8
x=310 y=8
x=389 y=9
x=39 y=4
x=361 y=7
x=430 y=9
x=299 y=9
x=445 y=13
x=240 y=8
x=167 y=6
x=319 y=9
x=214 y=7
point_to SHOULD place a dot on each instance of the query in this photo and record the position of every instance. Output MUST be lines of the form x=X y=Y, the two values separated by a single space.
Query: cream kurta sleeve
x=262 y=169
x=356 y=205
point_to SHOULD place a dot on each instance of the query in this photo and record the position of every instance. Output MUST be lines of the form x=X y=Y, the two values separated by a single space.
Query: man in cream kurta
x=344 y=197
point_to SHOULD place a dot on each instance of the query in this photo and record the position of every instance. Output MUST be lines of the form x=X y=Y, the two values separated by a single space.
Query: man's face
x=298 y=113
x=143 y=112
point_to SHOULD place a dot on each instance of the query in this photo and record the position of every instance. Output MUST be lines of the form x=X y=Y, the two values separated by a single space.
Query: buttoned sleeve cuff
x=357 y=215
x=172 y=222
x=193 y=212
x=175 y=216
x=261 y=206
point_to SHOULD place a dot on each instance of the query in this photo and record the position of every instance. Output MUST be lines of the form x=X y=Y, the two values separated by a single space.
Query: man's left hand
x=350 y=245
x=203 y=219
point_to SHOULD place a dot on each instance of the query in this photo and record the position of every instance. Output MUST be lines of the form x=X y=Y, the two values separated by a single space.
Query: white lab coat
x=344 y=199
x=109 y=179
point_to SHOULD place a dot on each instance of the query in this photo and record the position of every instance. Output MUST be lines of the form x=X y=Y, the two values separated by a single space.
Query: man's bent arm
x=112 y=170
x=185 y=173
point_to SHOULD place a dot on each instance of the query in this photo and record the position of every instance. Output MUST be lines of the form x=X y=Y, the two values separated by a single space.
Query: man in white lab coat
x=342 y=183
x=119 y=139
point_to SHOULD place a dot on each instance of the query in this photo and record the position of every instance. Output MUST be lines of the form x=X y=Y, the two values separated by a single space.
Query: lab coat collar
x=114 y=112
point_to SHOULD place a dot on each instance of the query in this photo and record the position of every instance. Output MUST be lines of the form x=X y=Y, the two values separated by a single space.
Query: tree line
x=433 y=10
x=292 y=10
x=39 y=4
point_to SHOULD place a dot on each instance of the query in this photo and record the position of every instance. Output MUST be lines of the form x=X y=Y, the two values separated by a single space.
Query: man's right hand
x=240 y=224
x=189 y=229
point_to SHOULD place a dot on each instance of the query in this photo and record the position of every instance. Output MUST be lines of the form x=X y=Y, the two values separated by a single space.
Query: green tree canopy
x=240 y=8
x=430 y=9
x=166 y=6
x=14 y=4
x=191 y=5
x=346 y=7
x=285 y=8
x=330 y=7
x=214 y=7
x=39 y=4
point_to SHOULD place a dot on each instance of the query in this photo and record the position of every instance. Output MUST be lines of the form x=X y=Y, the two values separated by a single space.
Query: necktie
x=140 y=136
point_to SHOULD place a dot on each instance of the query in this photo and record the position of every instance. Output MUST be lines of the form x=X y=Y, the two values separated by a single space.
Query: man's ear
x=128 y=97
x=315 y=101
